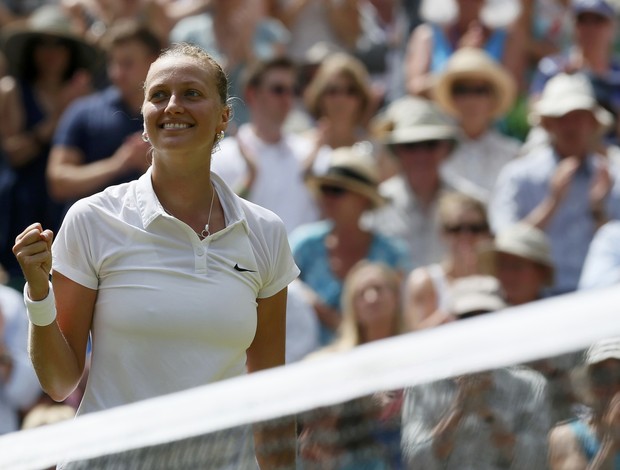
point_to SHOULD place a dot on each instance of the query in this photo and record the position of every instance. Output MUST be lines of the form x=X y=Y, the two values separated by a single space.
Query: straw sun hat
x=522 y=240
x=354 y=169
x=45 y=21
x=471 y=63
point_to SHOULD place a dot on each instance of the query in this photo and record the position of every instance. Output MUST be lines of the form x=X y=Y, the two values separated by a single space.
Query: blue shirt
x=98 y=125
x=524 y=183
x=602 y=265
x=310 y=253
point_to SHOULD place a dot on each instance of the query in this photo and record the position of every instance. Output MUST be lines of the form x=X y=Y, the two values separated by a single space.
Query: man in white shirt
x=262 y=162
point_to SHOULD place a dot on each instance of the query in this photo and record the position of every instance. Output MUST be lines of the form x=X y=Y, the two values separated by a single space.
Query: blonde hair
x=349 y=334
x=338 y=63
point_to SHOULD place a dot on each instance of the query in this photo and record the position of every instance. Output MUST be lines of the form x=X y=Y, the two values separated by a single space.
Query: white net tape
x=543 y=329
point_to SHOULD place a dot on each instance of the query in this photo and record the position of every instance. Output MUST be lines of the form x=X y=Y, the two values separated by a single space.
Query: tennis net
x=366 y=408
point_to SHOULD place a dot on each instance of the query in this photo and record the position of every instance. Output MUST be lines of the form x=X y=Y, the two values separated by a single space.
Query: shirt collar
x=150 y=208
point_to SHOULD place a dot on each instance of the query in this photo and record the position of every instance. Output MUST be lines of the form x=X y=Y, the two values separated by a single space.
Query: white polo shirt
x=172 y=311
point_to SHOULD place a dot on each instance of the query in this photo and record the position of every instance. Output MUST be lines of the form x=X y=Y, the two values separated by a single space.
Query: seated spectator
x=420 y=138
x=98 y=142
x=593 y=441
x=19 y=386
x=369 y=426
x=464 y=226
x=256 y=37
x=476 y=91
x=449 y=26
x=520 y=258
x=339 y=99
x=563 y=187
x=591 y=54
x=49 y=67
x=326 y=251
x=601 y=267
x=493 y=419
x=263 y=152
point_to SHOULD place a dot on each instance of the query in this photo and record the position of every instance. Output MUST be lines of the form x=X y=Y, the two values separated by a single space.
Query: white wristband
x=41 y=312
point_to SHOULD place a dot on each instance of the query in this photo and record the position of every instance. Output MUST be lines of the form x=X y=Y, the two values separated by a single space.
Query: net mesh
x=391 y=404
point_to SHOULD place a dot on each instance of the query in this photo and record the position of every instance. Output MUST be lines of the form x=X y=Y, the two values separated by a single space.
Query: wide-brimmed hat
x=564 y=93
x=412 y=119
x=608 y=348
x=522 y=240
x=47 y=20
x=471 y=63
x=598 y=7
x=353 y=168
x=475 y=294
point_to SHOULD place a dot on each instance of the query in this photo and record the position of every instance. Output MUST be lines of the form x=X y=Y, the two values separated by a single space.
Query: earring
x=219 y=137
x=145 y=137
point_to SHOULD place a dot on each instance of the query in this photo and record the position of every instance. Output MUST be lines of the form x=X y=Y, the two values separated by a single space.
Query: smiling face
x=183 y=110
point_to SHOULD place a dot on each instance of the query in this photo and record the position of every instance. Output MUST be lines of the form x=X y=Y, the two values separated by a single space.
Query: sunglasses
x=341 y=91
x=471 y=90
x=280 y=90
x=332 y=191
x=474 y=229
x=427 y=145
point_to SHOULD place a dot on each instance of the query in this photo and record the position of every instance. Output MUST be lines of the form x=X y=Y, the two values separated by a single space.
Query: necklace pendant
x=205 y=233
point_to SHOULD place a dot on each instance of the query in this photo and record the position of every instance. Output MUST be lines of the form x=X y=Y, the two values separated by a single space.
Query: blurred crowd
x=432 y=160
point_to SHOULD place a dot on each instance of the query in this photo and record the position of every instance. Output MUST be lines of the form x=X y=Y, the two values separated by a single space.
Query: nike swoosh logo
x=243 y=270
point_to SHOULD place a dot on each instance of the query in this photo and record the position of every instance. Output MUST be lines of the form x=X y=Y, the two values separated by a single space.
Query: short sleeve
x=72 y=254
x=282 y=267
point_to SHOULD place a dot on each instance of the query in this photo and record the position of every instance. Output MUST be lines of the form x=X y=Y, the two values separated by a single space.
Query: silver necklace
x=205 y=233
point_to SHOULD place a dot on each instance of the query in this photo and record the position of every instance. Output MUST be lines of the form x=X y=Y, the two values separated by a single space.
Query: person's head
x=568 y=110
x=595 y=24
x=349 y=187
x=464 y=224
x=340 y=89
x=475 y=89
x=130 y=48
x=48 y=44
x=370 y=303
x=419 y=136
x=520 y=258
x=185 y=100
x=269 y=89
x=475 y=295
x=599 y=379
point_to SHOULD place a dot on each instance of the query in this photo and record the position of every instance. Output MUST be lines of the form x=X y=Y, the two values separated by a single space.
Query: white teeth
x=175 y=125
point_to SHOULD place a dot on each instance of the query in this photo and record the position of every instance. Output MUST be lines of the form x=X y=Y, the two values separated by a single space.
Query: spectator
x=19 y=386
x=339 y=100
x=335 y=22
x=49 y=67
x=98 y=142
x=450 y=25
x=591 y=442
x=421 y=138
x=262 y=152
x=464 y=226
x=366 y=430
x=256 y=37
x=601 y=267
x=493 y=419
x=562 y=187
x=520 y=258
x=591 y=53
x=476 y=91
x=326 y=251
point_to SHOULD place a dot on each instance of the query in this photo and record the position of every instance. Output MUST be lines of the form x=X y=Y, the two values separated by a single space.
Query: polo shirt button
x=200 y=252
